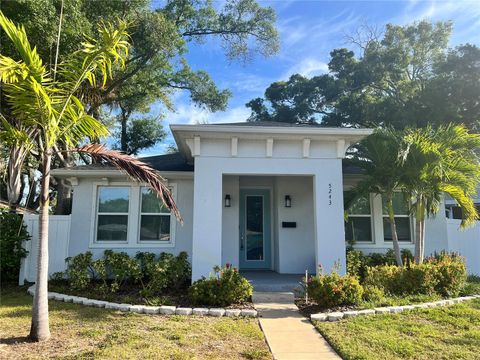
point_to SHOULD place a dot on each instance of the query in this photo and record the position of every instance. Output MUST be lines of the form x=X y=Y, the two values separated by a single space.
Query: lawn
x=451 y=332
x=85 y=332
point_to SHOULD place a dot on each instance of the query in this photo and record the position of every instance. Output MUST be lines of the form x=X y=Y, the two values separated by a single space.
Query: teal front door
x=255 y=229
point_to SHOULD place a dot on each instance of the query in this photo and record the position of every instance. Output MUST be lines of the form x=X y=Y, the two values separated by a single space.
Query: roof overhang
x=183 y=132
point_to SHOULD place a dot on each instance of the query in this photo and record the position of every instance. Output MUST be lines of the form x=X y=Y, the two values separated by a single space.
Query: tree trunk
x=40 y=330
x=393 y=229
x=123 y=134
x=14 y=184
x=419 y=223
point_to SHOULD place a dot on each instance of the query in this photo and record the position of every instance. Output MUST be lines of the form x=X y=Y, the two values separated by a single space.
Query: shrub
x=121 y=267
x=12 y=235
x=333 y=289
x=373 y=294
x=79 y=270
x=444 y=275
x=222 y=288
x=357 y=262
x=451 y=273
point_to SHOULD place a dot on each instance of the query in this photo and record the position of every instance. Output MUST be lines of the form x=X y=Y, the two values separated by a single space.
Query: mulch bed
x=130 y=294
x=313 y=308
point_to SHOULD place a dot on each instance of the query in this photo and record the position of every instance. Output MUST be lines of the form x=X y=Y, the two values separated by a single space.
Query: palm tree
x=440 y=161
x=49 y=110
x=378 y=156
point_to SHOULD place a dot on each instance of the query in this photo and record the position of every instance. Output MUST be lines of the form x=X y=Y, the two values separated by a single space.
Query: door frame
x=267 y=262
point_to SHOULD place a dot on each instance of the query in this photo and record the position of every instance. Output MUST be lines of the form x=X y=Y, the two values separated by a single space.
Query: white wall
x=230 y=222
x=296 y=246
x=466 y=242
x=58 y=239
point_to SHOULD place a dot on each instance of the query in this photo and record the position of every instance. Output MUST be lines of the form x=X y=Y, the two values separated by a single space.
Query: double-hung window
x=358 y=227
x=402 y=218
x=154 y=218
x=112 y=213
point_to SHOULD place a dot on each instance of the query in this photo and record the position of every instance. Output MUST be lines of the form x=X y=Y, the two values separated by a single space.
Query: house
x=263 y=196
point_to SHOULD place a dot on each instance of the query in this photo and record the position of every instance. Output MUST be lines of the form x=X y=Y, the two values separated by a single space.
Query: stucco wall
x=296 y=245
x=83 y=217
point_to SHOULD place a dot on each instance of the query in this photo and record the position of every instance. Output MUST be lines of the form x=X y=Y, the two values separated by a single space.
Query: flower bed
x=145 y=309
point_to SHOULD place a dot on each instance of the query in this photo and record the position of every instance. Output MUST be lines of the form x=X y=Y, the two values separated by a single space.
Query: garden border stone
x=338 y=315
x=143 y=309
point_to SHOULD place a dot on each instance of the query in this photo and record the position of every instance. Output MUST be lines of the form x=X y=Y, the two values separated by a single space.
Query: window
x=358 y=227
x=154 y=218
x=402 y=218
x=112 y=213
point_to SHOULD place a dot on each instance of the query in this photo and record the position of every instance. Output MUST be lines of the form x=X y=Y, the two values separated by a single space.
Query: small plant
x=12 y=235
x=79 y=270
x=333 y=289
x=121 y=267
x=222 y=288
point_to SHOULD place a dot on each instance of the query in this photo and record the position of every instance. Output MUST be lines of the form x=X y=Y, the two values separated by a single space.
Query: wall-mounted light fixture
x=288 y=201
x=228 y=201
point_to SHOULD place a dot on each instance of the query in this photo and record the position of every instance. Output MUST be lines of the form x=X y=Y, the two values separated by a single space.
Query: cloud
x=308 y=67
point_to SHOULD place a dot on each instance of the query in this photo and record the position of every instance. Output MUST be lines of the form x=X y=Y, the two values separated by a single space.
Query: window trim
x=173 y=189
x=372 y=222
x=133 y=225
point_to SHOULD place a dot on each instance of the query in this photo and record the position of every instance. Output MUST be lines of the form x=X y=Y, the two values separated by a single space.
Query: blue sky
x=308 y=31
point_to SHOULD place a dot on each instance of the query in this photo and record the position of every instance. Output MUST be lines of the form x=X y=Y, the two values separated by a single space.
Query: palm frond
x=135 y=169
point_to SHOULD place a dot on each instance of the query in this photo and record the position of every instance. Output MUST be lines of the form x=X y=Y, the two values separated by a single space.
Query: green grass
x=80 y=332
x=451 y=332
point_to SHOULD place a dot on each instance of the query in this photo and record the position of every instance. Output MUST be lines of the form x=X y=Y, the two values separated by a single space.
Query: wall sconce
x=288 y=201
x=228 y=201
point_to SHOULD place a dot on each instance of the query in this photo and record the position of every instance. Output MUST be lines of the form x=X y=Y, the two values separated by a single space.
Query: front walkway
x=289 y=335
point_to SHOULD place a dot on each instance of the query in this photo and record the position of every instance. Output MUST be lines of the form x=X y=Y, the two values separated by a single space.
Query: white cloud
x=307 y=67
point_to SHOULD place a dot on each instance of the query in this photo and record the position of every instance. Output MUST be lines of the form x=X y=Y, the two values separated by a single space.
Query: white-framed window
x=113 y=208
x=155 y=218
x=358 y=227
x=402 y=219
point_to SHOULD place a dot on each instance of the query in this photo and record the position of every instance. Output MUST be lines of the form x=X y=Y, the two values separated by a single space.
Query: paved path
x=289 y=335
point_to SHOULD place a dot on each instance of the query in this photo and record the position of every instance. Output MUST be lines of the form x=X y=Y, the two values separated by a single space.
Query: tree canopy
x=406 y=77
x=157 y=65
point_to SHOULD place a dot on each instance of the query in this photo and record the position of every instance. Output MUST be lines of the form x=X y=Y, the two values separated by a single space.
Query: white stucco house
x=263 y=196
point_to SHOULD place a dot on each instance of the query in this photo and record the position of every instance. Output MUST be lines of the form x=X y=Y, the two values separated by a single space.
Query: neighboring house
x=264 y=196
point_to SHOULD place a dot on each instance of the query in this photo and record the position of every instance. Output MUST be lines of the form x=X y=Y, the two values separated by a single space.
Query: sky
x=308 y=31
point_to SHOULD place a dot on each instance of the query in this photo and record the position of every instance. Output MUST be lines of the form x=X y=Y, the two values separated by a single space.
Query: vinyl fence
x=466 y=242
x=59 y=234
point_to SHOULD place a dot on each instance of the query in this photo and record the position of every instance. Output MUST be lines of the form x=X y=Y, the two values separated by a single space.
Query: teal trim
x=255 y=253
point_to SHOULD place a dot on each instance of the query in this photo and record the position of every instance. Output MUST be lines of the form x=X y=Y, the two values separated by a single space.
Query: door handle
x=241 y=242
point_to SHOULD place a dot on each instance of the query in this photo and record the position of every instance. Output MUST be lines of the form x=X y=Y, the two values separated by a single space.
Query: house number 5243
x=329 y=194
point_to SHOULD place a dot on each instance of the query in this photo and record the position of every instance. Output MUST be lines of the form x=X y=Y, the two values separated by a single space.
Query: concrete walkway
x=289 y=335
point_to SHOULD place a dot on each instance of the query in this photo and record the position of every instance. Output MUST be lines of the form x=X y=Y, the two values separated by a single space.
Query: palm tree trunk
x=418 y=230
x=393 y=229
x=40 y=330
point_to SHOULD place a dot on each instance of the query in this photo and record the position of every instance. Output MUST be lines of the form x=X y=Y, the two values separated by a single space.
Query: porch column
x=207 y=219
x=329 y=216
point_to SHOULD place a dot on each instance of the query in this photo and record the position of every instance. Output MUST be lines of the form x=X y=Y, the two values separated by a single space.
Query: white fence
x=59 y=234
x=466 y=242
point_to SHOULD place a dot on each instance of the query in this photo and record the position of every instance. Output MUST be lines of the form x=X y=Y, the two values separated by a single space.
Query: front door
x=255 y=229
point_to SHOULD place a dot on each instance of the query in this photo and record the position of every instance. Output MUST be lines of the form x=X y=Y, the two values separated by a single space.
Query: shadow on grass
x=15 y=340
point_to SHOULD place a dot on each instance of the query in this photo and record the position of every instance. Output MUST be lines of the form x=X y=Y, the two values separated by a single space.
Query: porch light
x=288 y=201
x=227 y=200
